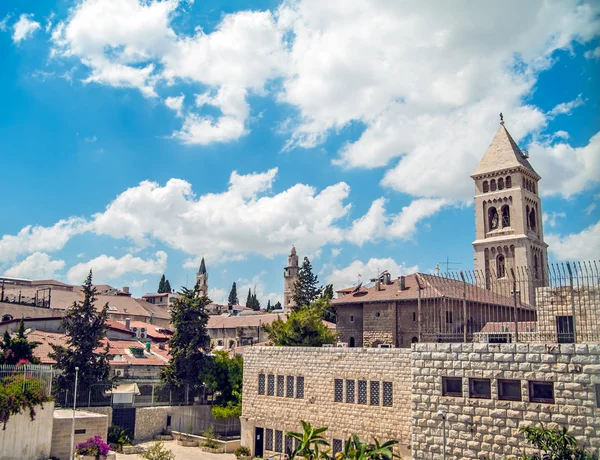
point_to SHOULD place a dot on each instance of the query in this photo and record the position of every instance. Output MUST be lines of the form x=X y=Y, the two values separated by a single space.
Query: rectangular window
x=261 y=384
x=542 y=392
x=414 y=316
x=270 y=385
x=351 y=318
x=338 y=390
x=374 y=401
x=509 y=390
x=362 y=392
x=278 y=441
x=388 y=394
x=280 y=385
x=448 y=317
x=336 y=446
x=299 y=387
x=350 y=391
x=597 y=385
x=451 y=386
x=480 y=388
x=269 y=439
x=289 y=442
x=564 y=329
x=289 y=390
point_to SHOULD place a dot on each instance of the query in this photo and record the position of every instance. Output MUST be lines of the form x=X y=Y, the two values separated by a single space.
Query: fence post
x=515 y=311
x=572 y=302
x=419 y=313
x=464 y=306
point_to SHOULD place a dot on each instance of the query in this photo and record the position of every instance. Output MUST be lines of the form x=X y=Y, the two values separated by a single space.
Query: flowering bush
x=18 y=393
x=94 y=446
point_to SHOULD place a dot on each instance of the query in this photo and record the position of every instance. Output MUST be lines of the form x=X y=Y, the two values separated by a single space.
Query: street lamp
x=73 y=418
x=443 y=416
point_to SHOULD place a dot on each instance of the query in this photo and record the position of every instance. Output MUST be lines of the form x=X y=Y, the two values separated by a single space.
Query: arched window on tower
x=532 y=219
x=500 y=267
x=486 y=186
x=493 y=185
x=505 y=216
x=508 y=182
x=527 y=215
x=533 y=187
x=500 y=184
x=536 y=267
x=493 y=218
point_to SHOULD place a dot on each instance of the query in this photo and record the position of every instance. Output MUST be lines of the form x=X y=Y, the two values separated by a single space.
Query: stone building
x=229 y=332
x=508 y=217
x=202 y=279
x=290 y=276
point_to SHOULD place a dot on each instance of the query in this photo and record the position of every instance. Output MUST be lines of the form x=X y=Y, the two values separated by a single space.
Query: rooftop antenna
x=447 y=263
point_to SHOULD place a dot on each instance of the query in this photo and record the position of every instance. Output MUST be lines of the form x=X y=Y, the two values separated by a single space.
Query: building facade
x=290 y=276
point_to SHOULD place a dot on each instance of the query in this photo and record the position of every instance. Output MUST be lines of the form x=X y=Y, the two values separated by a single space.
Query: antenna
x=447 y=263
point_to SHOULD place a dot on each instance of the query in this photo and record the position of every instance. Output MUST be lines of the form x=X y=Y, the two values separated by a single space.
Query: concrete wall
x=320 y=367
x=488 y=428
x=19 y=311
x=93 y=424
x=24 y=439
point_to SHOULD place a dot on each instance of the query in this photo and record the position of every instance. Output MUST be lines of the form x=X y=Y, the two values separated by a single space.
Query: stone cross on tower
x=202 y=279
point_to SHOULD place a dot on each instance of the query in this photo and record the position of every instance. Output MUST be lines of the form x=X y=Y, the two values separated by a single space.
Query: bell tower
x=290 y=275
x=202 y=279
x=509 y=237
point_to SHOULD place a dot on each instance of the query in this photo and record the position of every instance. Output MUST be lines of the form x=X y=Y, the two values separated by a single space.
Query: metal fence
x=560 y=303
x=30 y=376
x=197 y=424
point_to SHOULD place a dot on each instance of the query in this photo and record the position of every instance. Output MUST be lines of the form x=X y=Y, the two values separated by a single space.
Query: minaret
x=290 y=275
x=509 y=237
x=202 y=279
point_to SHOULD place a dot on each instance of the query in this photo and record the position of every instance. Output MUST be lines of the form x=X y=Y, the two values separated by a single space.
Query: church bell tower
x=509 y=237
x=202 y=279
x=290 y=275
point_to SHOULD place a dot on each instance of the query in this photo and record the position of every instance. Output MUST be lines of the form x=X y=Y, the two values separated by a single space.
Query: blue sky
x=137 y=137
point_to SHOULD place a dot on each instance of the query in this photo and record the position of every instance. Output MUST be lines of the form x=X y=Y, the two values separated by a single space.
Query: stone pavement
x=182 y=453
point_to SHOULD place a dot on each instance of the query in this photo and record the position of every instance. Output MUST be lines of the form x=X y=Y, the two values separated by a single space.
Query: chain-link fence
x=30 y=376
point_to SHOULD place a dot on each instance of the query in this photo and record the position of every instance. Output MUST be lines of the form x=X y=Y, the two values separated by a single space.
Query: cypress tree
x=233 y=297
x=269 y=307
x=306 y=288
x=161 y=284
x=249 y=299
x=167 y=286
x=19 y=349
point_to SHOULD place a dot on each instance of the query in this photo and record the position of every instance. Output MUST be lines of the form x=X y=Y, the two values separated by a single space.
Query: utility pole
x=447 y=263
x=73 y=419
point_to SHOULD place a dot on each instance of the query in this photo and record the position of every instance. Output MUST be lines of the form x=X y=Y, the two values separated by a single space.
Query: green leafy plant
x=157 y=451
x=18 y=393
x=118 y=437
x=242 y=451
x=211 y=437
x=556 y=444
x=309 y=441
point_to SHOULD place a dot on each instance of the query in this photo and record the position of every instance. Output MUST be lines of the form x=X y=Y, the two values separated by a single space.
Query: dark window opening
x=289 y=391
x=269 y=439
x=80 y=431
x=486 y=186
x=388 y=394
x=350 y=391
x=299 y=387
x=480 y=388
x=280 y=385
x=448 y=317
x=500 y=184
x=542 y=392
x=351 y=342
x=493 y=185
x=362 y=392
x=509 y=390
x=338 y=390
x=508 y=182
x=270 y=385
x=278 y=441
x=564 y=329
x=337 y=446
x=452 y=386
x=374 y=400
x=505 y=216
x=261 y=384
x=351 y=318
x=597 y=387
x=500 y=267
x=492 y=218
x=414 y=316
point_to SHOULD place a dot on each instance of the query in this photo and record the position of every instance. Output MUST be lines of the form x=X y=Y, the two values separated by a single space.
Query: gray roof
x=202 y=269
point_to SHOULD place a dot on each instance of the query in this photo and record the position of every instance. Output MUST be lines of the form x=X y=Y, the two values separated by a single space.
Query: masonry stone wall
x=320 y=367
x=488 y=428
x=350 y=324
x=87 y=425
x=379 y=324
x=150 y=421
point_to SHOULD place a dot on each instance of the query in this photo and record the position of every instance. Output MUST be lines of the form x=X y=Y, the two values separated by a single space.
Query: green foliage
x=168 y=286
x=157 y=451
x=306 y=288
x=242 y=451
x=163 y=286
x=233 y=297
x=189 y=342
x=277 y=306
x=354 y=449
x=252 y=302
x=85 y=328
x=211 y=437
x=231 y=410
x=309 y=442
x=329 y=314
x=119 y=437
x=554 y=444
x=17 y=350
x=224 y=376
x=327 y=293
x=303 y=328
x=19 y=392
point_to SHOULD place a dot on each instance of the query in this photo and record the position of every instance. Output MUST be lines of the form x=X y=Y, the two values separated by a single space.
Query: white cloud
x=4 y=23
x=349 y=276
x=592 y=54
x=38 y=265
x=552 y=218
x=371 y=226
x=218 y=295
x=90 y=139
x=565 y=108
x=404 y=224
x=590 y=208
x=584 y=245
x=256 y=285
x=24 y=28
x=110 y=268
x=175 y=103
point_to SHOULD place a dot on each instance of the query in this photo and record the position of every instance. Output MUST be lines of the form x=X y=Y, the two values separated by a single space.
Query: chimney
x=148 y=347
x=161 y=346
x=401 y=283
x=378 y=285
x=388 y=279
x=128 y=324
x=125 y=289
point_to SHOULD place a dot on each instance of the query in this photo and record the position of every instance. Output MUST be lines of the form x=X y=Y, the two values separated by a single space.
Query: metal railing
x=31 y=376
x=560 y=303
x=197 y=424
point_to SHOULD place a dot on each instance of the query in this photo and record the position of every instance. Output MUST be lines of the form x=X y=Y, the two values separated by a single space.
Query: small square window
x=338 y=390
x=280 y=385
x=289 y=390
x=362 y=392
x=299 y=387
x=269 y=439
x=337 y=446
x=451 y=386
x=542 y=392
x=270 y=385
x=374 y=401
x=350 y=391
x=509 y=390
x=480 y=388
x=261 y=384
x=388 y=394
x=278 y=441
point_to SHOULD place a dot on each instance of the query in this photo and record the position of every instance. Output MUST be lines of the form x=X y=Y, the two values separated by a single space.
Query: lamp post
x=443 y=415
x=73 y=418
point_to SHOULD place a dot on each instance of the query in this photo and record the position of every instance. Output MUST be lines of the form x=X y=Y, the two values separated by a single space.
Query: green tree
x=269 y=307
x=249 y=299
x=85 y=328
x=277 y=306
x=233 y=297
x=17 y=350
x=255 y=303
x=161 y=284
x=556 y=444
x=303 y=328
x=329 y=314
x=157 y=451
x=224 y=376
x=190 y=342
x=306 y=287
x=168 y=286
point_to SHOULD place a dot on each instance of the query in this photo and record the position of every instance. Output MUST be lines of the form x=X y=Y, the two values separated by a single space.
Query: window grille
x=280 y=385
x=288 y=445
x=350 y=391
x=362 y=392
x=374 y=401
x=269 y=439
x=299 y=387
x=278 y=441
x=388 y=394
x=289 y=391
x=337 y=446
x=261 y=384
x=270 y=385
x=338 y=390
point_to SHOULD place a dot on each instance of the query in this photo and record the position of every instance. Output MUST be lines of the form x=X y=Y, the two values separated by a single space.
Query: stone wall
x=320 y=367
x=350 y=324
x=150 y=421
x=89 y=424
x=488 y=428
x=27 y=439
x=379 y=324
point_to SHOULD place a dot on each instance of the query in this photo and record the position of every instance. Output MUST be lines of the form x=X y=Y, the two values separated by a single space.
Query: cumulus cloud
x=175 y=103
x=584 y=245
x=24 y=28
x=38 y=265
x=4 y=23
x=565 y=108
x=551 y=219
x=592 y=54
x=349 y=275
x=107 y=268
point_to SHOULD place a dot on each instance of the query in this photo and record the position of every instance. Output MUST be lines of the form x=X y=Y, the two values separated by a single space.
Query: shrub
x=554 y=444
x=94 y=446
x=211 y=438
x=18 y=393
x=157 y=451
x=118 y=437
x=242 y=451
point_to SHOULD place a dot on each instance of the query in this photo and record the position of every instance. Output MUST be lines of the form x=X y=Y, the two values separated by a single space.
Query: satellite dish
x=355 y=290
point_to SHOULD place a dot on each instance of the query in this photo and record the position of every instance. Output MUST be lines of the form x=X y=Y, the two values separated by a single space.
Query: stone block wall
x=379 y=324
x=488 y=428
x=150 y=421
x=350 y=324
x=89 y=424
x=320 y=367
